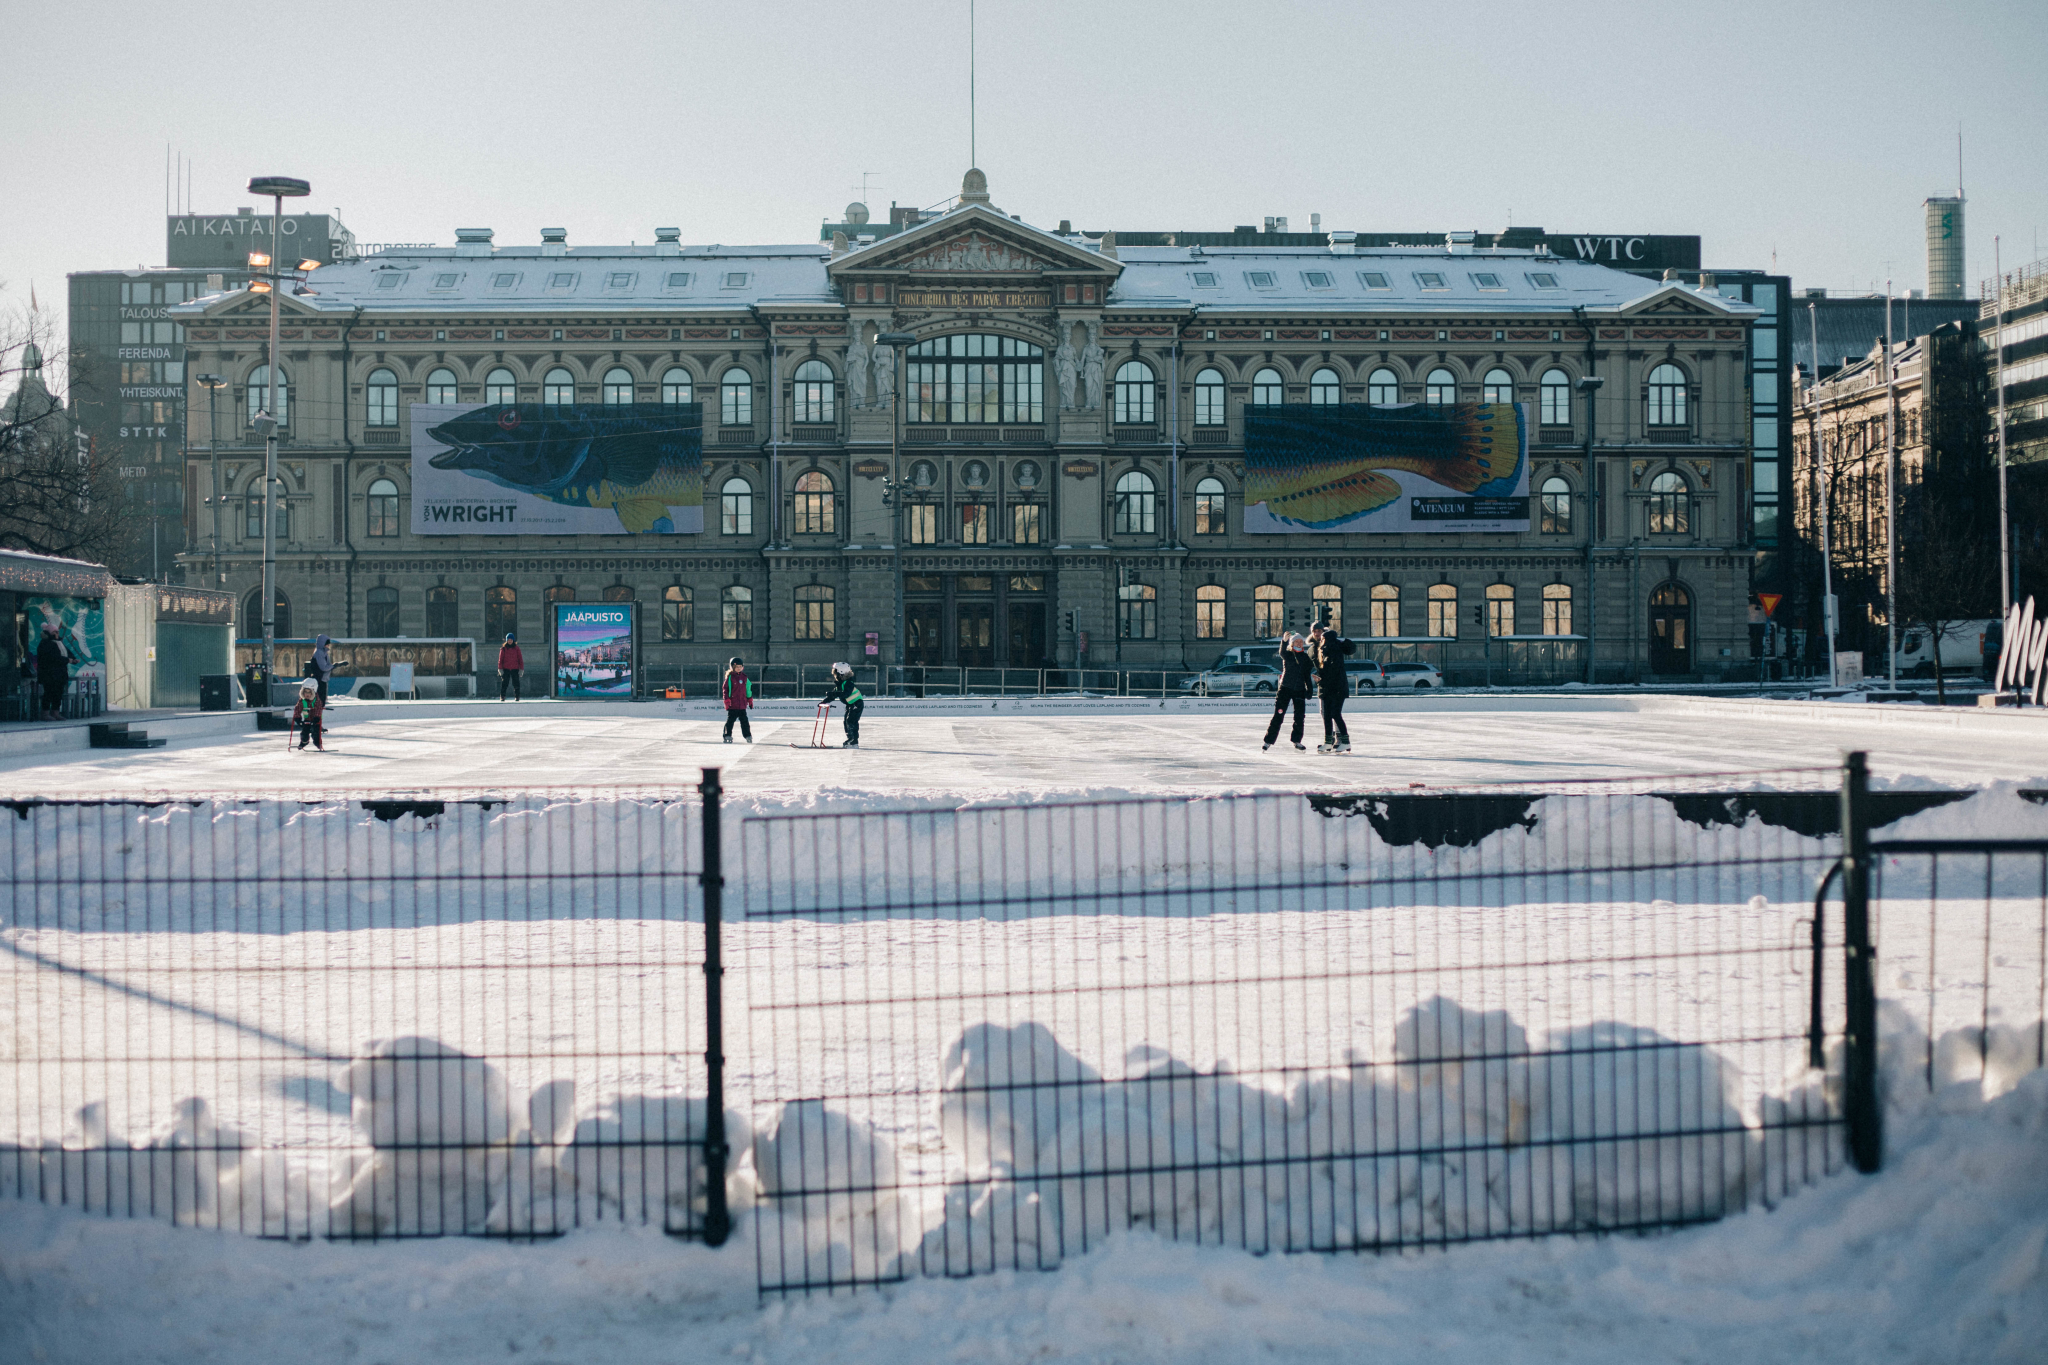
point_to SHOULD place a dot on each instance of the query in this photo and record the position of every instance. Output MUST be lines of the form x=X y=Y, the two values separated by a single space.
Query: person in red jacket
x=511 y=663
x=737 y=694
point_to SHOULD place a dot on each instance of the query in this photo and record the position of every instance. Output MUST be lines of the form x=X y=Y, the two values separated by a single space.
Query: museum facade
x=1039 y=435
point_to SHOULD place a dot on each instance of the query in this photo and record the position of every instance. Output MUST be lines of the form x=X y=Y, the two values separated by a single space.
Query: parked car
x=1232 y=680
x=1417 y=676
x=1364 y=673
x=1248 y=654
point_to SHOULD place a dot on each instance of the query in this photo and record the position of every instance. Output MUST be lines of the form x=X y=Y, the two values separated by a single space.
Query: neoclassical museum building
x=1039 y=435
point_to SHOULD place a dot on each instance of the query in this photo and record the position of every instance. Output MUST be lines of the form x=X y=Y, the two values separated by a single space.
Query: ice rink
x=1042 y=747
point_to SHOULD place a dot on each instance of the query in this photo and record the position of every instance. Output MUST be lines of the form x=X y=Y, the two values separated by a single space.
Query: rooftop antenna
x=972 y=158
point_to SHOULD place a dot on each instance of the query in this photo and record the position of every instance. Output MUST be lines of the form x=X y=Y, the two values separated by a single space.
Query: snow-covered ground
x=1940 y=1257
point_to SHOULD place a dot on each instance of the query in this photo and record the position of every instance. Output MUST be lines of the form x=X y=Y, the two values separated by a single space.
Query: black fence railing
x=990 y=1038
x=362 y=1014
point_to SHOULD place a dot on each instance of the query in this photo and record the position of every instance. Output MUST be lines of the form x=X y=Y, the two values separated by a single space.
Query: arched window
x=736 y=613
x=1209 y=393
x=1667 y=396
x=736 y=398
x=1386 y=610
x=1557 y=398
x=1497 y=387
x=441 y=615
x=1328 y=604
x=618 y=386
x=618 y=592
x=813 y=503
x=383 y=508
x=259 y=393
x=1137 y=612
x=500 y=386
x=1556 y=518
x=1383 y=388
x=1136 y=505
x=1443 y=610
x=1324 y=388
x=814 y=392
x=252 y=521
x=558 y=388
x=1267 y=389
x=1670 y=504
x=380 y=399
x=1134 y=394
x=736 y=508
x=501 y=613
x=380 y=612
x=1500 y=609
x=678 y=613
x=1440 y=390
x=252 y=616
x=1209 y=507
x=1211 y=620
x=975 y=377
x=1269 y=611
x=814 y=613
x=676 y=388
x=1557 y=609
x=441 y=386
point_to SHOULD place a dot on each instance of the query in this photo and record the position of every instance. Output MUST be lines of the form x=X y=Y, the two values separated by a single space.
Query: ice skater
x=511 y=663
x=306 y=714
x=738 y=694
x=844 y=692
x=1333 y=685
x=1296 y=668
x=53 y=671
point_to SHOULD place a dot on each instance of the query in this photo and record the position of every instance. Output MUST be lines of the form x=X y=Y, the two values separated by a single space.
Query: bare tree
x=58 y=494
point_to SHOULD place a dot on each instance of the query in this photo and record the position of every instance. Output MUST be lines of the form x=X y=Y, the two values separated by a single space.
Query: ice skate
x=1303 y=748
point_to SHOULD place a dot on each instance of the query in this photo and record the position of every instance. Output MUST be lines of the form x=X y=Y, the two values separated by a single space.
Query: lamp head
x=896 y=339
x=280 y=187
x=258 y=260
x=309 y=264
x=211 y=381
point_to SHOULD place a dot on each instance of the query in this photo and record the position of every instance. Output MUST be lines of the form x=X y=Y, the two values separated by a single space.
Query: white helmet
x=842 y=669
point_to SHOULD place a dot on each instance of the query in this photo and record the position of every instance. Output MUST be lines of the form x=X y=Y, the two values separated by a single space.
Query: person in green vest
x=738 y=694
x=844 y=692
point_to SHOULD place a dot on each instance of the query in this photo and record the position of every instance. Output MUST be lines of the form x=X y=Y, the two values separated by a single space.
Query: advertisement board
x=528 y=469
x=1403 y=469
x=594 y=651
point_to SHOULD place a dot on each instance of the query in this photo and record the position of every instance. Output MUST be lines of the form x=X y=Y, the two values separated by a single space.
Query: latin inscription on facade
x=974 y=298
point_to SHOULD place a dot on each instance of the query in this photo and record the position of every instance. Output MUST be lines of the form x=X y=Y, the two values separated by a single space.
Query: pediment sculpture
x=972 y=251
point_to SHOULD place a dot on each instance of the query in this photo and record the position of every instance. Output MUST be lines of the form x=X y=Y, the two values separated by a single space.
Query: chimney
x=1461 y=243
x=1706 y=281
x=1315 y=222
x=472 y=241
x=1066 y=227
x=668 y=241
x=554 y=241
x=838 y=244
x=1108 y=244
x=1343 y=243
x=1670 y=275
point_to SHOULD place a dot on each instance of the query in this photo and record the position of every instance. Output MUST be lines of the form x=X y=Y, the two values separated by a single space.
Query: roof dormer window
x=505 y=279
x=1486 y=279
x=447 y=279
x=679 y=279
x=1260 y=279
x=1203 y=279
x=1316 y=279
x=1543 y=279
x=1373 y=279
x=619 y=279
x=390 y=279
x=734 y=279
x=1431 y=279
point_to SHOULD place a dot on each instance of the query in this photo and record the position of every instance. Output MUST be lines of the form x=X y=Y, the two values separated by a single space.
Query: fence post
x=1860 y=1103
x=717 y=1218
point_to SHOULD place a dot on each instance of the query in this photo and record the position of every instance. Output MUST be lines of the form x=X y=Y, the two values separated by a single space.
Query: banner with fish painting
x=1406 y=469
x=524 y=469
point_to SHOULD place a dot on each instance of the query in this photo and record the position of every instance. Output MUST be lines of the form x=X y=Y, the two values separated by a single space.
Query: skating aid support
x=818 y=727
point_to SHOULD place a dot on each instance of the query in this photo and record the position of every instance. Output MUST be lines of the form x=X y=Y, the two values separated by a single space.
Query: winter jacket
x=1295 y=670
x=843 y=690
x=1331 y=679
x=510 y=660
x=53 y=663
x=321 y=666
x=736 y=691
x=306 y=711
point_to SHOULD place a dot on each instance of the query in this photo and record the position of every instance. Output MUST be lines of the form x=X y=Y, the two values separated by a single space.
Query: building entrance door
x=1027 y=634
x=1670 y=629
x=921 y=634
x=977 y=632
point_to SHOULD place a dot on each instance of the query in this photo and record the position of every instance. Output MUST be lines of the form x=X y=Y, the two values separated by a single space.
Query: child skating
x=738 y=694
x=844 y=692
x=306 y=715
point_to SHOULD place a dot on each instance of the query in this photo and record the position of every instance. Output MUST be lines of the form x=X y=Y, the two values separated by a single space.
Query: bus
x=442 y=666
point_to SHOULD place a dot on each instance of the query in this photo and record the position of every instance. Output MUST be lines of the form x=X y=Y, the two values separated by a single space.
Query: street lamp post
x=213 y=383
x=896 y=342
x=279 y=188
x=1589 y=385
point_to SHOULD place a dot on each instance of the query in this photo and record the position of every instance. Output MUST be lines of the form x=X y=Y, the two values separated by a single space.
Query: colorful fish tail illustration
x=1320 y=467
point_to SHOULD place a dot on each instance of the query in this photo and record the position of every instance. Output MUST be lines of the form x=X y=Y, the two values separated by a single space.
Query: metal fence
x=361 y=1014
x=989 y=1038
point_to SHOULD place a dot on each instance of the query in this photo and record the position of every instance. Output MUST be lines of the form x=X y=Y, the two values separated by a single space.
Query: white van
x=1962 y=648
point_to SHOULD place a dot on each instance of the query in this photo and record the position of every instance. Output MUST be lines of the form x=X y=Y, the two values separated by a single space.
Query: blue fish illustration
x=638 y=460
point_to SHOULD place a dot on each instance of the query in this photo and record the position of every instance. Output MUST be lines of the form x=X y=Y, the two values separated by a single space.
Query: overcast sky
x=1808 y=133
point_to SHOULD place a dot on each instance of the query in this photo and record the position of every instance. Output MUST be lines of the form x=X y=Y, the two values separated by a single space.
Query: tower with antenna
x=1945 y=238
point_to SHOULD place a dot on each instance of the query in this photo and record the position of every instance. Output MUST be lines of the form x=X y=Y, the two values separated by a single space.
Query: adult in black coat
x=1296 y=672
x=1333 y=685
x=53 y=672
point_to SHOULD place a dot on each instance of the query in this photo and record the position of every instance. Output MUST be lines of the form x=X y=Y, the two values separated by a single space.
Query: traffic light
x=1478 y=614
x=1070 y=623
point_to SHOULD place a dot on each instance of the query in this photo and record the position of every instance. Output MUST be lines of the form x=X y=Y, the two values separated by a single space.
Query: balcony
x=814 y=435
x=1554 y=436
x=972 y=435
x=383 y=436
x=735 y=436
x=1212 y=436
x=1135 y=436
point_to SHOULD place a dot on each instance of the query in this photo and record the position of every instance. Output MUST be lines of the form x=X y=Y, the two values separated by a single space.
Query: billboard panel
x=1402 y=469
x=524 y=469
x=594 y=651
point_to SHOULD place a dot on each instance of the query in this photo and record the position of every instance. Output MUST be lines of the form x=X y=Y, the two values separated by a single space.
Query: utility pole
x=278 y=187
x=1891 y=503
x=895 y=342
x=212 y=384
x=1820 y=467
x=2005 y=584
x=1589 y=384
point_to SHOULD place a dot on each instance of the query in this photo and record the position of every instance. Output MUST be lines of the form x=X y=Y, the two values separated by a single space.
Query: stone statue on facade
x=885 y=376
x=1066 y=364
x=1092 y=360
x=858 y=355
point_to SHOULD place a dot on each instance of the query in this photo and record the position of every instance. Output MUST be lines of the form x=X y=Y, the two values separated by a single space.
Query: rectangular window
x=1211 y=619
x=619 y=279
x=1500 y=609
x=678 y=615
x=1024 y=523
x=1269 y=611
x=736 y=509
x=734 y=279
x=1316 y=279
x=924 y=523
x=447 y=280
x=975 y=518
x=679 y=279
x=390 y=280
x=1386 y=611
x=1260 y=279
x=1137 y=612
x=1203 y=279
x=1557 y=609
x=504 y=279
x=1373 y=279
x=1443 y=611
x=737 y=614
x=976 y=379
x=1486 y=280
x=814 y=615
x=1543 y=279
x=1430 y=279
x=562 y=280
x=1329 y=606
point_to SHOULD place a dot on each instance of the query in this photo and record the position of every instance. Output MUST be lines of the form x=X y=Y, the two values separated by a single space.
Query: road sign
x=1770 y=601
